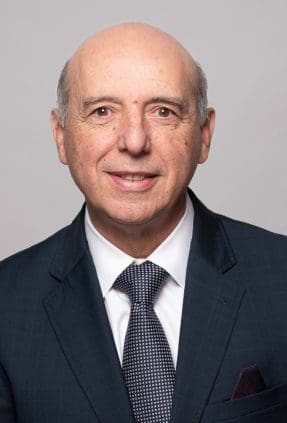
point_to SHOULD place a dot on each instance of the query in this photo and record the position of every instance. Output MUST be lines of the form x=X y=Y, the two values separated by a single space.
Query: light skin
x=132 y=138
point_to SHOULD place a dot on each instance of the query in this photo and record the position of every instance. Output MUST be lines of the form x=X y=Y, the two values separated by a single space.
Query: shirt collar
x=172 y=254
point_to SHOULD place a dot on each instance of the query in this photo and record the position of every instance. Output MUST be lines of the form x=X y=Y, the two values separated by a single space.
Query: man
x=82 y=337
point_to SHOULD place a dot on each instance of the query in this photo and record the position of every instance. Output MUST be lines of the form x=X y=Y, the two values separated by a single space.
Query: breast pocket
x=267 y=406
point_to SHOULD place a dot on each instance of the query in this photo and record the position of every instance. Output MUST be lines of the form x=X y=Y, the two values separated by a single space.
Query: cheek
x=85 y=147
x=184 y=158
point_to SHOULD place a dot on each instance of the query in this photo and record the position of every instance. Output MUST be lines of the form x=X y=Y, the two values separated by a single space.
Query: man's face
x=132 y=138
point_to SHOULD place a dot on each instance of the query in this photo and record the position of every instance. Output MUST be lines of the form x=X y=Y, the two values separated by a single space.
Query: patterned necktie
x=147 y=362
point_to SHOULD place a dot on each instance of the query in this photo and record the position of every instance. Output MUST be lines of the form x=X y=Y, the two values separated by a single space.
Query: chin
x=132 y=220
x=125 y=213
x=132 y=215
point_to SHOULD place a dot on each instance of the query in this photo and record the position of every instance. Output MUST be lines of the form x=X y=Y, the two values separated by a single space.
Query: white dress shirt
x=171 y=255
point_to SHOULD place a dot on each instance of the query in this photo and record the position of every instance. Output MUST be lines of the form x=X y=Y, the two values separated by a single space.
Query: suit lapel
x=77 y=313
x=211 y=302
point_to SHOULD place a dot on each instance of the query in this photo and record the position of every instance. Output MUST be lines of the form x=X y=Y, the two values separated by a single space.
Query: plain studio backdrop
x=241 y=45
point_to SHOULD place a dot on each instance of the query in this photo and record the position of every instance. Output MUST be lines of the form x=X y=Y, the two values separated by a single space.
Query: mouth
x=133 y=177
x=133 y=181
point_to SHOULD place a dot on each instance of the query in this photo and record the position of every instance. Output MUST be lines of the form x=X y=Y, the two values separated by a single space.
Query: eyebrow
x=91 y=101
x=173 y=101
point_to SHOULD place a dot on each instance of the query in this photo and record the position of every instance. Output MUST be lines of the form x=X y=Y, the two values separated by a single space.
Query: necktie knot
x=141 y=282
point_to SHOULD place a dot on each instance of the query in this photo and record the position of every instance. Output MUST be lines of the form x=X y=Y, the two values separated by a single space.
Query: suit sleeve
x=7 y=408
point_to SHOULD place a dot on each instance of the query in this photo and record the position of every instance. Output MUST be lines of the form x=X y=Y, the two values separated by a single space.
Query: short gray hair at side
x=201 y=94
x=63 y=94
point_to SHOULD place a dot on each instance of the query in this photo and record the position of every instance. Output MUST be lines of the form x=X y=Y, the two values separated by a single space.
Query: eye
x=102 y=111
x=164 y=112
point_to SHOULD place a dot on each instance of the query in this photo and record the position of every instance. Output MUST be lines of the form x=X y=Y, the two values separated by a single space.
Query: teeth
x=133 y=177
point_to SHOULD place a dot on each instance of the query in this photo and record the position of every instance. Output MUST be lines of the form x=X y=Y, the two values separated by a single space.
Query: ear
x=59 y=133
x=206 y=135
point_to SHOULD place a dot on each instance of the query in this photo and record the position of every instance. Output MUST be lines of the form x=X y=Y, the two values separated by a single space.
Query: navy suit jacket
x=58 y=362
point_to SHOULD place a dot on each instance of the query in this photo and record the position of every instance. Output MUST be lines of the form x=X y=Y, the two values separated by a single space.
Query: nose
x=134 y=137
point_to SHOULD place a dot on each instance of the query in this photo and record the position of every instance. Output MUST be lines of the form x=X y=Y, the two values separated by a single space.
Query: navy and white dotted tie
x=147 y=362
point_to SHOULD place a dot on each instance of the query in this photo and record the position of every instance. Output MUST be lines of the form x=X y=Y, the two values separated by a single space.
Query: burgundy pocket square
x=249 y=382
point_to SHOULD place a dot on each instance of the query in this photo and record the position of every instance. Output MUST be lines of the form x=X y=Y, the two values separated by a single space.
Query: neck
x=138 y=240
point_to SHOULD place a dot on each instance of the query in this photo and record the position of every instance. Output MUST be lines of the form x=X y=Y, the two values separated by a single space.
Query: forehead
x=138 y=69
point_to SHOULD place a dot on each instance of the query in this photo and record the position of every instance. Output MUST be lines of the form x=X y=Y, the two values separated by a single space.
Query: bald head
x=132 y=40
x=135 y=38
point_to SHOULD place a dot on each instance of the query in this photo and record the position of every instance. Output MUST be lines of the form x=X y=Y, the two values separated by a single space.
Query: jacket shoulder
x=251 y=241
x=39 y=254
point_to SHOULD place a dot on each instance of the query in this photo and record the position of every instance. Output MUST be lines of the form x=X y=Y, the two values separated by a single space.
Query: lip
x=140 y=185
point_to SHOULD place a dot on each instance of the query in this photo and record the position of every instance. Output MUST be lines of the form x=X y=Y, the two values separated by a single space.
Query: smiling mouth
x=133 y=181
x=133 y=178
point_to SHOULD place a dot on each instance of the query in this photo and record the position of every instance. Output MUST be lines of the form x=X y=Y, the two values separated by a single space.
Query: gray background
x=241 y=44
